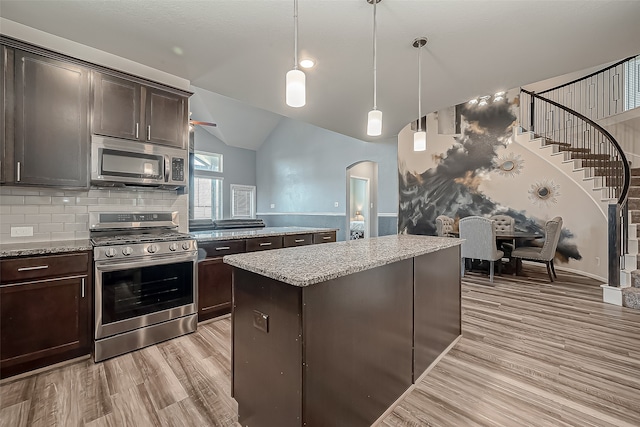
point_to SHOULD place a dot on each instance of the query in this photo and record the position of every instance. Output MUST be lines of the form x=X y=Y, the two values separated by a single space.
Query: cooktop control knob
x=152 y=249
x=110 y=253
x=173 y=247
x=127 y=251
x=186 y=245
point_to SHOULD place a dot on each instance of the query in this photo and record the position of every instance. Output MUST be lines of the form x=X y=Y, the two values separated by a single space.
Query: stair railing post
x=531 y=113
x=614 y=233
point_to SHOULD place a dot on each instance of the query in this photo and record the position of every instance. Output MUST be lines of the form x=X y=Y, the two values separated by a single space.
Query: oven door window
x=138 y=291
x=131 y=165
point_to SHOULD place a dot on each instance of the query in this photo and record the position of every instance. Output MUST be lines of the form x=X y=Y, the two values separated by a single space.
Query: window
x=243 y=203
x=211 y=162
x=207 y=198
x=206 y=191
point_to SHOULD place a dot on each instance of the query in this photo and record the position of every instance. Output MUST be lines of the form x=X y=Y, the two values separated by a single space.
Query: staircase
x=581 y=146
x=631 y=295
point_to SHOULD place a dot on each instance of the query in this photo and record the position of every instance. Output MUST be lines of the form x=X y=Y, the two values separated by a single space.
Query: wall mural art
x=451 y=187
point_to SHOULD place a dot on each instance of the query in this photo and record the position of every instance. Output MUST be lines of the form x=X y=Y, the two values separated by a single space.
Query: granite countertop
x=244 y=233
x=306 y=265
x=43 y=248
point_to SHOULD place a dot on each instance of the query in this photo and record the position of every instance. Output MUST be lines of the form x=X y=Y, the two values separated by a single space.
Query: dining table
x=514 y=236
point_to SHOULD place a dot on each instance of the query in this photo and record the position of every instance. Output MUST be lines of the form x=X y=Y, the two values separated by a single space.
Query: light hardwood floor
x=532 y=353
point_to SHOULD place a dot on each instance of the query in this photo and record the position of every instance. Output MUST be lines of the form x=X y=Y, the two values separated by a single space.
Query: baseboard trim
x=391 y=408
x=612 y=294
x=571 y=270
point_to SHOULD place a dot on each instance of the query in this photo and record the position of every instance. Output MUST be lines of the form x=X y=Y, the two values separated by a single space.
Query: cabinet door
x=165 y=118
x=214 y=288
x=43 y=322
x=51 y=122
x=5 y=109
x=116 y=107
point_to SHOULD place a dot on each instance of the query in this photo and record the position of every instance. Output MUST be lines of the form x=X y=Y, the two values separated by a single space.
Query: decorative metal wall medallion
x=544 y=193
x=509 y=165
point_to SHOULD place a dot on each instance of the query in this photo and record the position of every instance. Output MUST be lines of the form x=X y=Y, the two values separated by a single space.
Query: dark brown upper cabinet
x=127 y=109
x=3 y=83
x=51 y=122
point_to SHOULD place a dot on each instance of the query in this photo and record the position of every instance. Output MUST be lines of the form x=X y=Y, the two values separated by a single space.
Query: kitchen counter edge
x=308 y=265
x=238 y=234
x=9 y=250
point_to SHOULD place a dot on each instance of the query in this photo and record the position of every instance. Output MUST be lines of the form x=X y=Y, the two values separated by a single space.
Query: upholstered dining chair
x=505 y=224
x=547 y=252
x=479 y=242
x=444 y=226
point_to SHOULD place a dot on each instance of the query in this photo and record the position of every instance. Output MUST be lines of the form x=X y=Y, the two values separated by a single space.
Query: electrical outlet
x=273 y=205
x=335 y=205
x=597 y=260
x=21 y=231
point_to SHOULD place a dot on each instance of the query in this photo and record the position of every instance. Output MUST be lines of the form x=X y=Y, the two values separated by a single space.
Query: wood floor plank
x=533 y=353
x=15 y=415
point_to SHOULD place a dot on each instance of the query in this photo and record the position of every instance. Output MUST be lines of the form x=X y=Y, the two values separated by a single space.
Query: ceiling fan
x=193 y=123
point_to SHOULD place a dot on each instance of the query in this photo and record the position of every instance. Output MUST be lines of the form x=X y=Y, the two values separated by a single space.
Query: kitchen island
x=334 y=334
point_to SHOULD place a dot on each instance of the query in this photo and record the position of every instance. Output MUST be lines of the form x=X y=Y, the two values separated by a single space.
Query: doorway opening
x=362 y=200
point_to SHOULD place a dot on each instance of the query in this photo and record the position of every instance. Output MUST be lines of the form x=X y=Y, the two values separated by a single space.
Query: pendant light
x=420 y=137
x=374 y=118
x=295 y=85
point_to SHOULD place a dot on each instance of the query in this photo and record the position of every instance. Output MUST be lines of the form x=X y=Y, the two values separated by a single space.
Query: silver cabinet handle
x=299 y=240
x=223 y=248
x=18 y=172
x=167 y=168
x=83 y=288
x=149 y=133
x=37 y=267
x=326 y=237
x=265 y=244
x=137 y=130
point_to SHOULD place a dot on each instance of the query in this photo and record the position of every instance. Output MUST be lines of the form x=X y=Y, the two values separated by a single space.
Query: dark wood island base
x=340 y=352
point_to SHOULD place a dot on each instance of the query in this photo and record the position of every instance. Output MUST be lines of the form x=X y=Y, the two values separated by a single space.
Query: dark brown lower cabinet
x=214 y=288
x=214 y=276
x=47 y=320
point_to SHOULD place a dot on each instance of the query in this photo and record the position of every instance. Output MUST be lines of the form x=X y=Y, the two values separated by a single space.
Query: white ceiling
x=242 y=48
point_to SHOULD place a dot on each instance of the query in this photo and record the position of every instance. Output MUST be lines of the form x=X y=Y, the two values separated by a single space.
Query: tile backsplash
x=64 y=215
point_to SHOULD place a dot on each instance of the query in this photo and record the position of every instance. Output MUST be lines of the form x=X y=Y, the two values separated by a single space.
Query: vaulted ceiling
x=241 y=49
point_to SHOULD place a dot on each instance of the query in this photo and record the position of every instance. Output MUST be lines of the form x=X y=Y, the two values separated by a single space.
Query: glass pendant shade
x=420 y=141
x=296 y=92
x=374 y=123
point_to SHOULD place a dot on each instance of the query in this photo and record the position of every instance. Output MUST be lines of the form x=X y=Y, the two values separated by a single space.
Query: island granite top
x=44 y=248
x=245 y=233
x=307 y=265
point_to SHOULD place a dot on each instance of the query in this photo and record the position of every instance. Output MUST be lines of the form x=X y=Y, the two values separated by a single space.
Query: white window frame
x=209 y=153
x=199 y=173
x=252 y=201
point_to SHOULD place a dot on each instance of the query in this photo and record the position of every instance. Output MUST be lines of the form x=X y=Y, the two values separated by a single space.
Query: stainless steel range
x=145 y=281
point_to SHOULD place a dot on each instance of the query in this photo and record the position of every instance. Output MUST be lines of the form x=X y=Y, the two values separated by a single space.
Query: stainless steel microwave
x=123 y=162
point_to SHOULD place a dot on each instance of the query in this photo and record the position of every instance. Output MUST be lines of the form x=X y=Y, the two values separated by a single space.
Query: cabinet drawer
x=325 y=237
x=298 y=240
x=28 y=268
x=223 y=247
x=264 y=243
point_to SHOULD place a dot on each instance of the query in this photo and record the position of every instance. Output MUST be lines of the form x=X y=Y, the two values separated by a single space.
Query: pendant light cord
x=419 y=90
x=375 y=69
x=295 y=34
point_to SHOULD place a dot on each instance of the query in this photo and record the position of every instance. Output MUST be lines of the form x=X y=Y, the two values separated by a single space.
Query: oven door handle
x=107 y=266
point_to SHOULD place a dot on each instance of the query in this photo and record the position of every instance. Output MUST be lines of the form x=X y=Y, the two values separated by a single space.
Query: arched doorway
x=362 y=200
